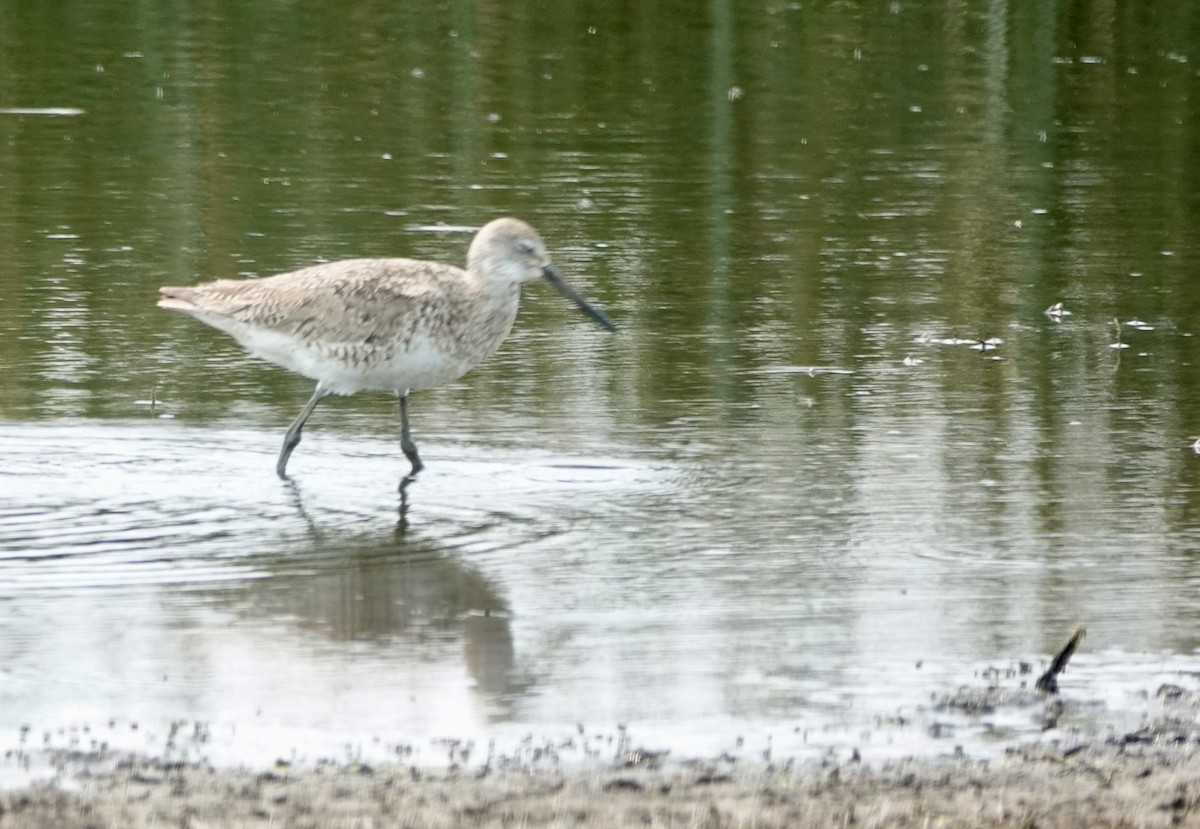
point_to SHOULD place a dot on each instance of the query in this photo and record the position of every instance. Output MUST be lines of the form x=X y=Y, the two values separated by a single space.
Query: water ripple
x=87 y=505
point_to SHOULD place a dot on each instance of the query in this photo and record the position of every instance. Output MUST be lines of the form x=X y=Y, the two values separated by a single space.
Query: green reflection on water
x=747 y=185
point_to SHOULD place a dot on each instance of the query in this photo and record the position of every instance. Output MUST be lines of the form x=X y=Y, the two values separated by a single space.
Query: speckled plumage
x=388 y=324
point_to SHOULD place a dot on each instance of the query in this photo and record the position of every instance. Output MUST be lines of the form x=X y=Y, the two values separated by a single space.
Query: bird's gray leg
x=406 y=441
x=292 y=439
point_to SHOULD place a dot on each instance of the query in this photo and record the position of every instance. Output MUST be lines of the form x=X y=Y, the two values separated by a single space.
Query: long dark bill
x=576 y=297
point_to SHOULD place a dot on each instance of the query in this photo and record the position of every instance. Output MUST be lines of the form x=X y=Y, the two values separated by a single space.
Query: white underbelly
x=347 y=368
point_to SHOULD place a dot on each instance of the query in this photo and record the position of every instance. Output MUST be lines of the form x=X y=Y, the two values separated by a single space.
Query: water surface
x=836 y=462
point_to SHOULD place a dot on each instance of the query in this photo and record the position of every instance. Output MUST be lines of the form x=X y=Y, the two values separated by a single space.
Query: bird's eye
x=525 y=246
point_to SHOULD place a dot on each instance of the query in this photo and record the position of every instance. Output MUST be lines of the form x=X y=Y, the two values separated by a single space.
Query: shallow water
x=837 y=461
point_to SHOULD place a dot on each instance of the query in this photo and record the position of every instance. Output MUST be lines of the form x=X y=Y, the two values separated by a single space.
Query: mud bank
x=1145 y=777
x=1153 y=782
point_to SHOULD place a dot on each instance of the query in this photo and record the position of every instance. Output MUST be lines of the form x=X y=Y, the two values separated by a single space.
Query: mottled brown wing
x=352 y=301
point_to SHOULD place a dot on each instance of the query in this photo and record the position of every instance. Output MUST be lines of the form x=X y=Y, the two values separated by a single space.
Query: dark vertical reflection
x=722 y=210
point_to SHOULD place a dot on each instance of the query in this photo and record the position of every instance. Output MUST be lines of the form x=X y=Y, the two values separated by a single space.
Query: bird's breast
x=435 y=350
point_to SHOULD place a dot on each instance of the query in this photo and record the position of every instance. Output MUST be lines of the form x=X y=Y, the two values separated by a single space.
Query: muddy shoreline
x=1141 y=782
x=1145 y=777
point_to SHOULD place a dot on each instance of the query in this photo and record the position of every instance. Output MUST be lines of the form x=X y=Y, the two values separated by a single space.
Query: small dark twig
x=1048 y=681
